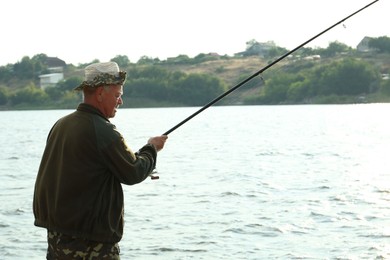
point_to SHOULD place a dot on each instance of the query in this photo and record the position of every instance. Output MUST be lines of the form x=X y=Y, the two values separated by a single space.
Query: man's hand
x=158 y=141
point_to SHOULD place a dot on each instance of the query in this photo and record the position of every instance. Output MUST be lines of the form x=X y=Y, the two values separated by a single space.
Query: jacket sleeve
x=128 y=167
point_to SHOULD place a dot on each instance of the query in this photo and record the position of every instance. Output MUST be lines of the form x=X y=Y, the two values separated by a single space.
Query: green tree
x=180 y=59
x=54 y=93
x=381 y=44
x=151 y=72
x=253 y=83
x=39 y=64
x=148 y=88
x=276 y=88
x=146 y=60
x=24 y=69
x=29 y=95
x=71 y=98
x=122 y=61
x=196 y=89
x=348 y=77
x=202 y=57
x=306 y=51
x=30 y=68
x=298 y=91
x=253 y=47
x=385 y=87
x=335 y=48
x=147 y=82
x=6 y=73
x=3 y=95
x=275 y=52
x=69 y=83
x=39 y=58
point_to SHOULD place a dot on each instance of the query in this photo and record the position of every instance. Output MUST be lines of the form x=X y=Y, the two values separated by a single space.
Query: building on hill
x=50 y=80
x=55 y=64
x=254 y=48
x=363 y=45
x=56 y=67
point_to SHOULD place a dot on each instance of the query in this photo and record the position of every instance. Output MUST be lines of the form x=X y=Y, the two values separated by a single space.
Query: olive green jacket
x=78 y=187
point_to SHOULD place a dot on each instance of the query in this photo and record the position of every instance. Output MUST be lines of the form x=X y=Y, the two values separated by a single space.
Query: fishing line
x=262 y=70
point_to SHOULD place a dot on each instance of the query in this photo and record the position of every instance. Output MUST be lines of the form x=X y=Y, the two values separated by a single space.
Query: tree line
x=341 y=75
x=342 y=81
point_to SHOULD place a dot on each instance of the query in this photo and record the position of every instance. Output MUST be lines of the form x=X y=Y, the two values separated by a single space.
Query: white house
x=363 y=45
x=56 y=68
x=50 y=80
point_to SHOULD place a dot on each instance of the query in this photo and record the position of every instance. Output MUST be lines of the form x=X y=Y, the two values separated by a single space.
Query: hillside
x=294 y=80
x=228 y=70
x=233 y=70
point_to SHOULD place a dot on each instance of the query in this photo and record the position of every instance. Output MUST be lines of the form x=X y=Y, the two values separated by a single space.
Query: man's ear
x=99 y=93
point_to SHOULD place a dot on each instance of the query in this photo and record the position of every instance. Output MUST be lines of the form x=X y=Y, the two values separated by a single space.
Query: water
x=255 y=182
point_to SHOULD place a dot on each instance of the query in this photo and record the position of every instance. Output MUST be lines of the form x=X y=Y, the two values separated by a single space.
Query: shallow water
x=254 y=182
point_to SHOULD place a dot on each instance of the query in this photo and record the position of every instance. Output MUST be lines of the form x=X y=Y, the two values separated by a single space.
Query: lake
x=236 y=182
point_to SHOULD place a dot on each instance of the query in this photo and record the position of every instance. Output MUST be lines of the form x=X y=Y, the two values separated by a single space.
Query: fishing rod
x=261 y=71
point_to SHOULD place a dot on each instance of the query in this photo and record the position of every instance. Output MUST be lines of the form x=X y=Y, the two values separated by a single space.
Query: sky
x=80 y=31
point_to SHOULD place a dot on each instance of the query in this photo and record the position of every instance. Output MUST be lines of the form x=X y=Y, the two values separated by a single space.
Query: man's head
x=103 y=87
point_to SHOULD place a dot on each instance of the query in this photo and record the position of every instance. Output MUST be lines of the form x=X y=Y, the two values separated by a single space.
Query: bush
x=29 y=95
x=3 y=96
x=385 y=87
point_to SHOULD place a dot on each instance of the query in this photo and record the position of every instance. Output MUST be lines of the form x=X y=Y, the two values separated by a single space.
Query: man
x=78 y=195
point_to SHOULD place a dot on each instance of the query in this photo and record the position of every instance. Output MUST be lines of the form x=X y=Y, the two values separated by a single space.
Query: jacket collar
x=83 y=107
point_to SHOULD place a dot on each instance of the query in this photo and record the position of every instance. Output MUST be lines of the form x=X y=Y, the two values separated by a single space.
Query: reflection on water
x=256 y=182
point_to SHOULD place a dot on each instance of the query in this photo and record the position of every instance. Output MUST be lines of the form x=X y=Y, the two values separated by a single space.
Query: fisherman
x=78 y=193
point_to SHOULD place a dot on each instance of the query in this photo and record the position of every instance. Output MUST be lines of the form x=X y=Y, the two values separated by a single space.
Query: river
x=236 y=182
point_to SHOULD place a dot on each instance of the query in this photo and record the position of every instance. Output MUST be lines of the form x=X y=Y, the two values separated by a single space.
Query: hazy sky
x=79 y=31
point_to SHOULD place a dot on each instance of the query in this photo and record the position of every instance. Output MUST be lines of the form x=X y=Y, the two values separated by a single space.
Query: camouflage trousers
x=64 y=247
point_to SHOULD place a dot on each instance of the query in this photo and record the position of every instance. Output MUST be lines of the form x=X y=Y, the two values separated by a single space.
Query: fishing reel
x=153 y=175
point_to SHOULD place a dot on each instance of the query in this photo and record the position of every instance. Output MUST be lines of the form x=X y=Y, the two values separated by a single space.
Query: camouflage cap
x=102 y=74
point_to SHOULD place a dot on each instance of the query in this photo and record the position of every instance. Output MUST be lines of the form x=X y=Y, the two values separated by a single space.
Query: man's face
x=111 y=100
